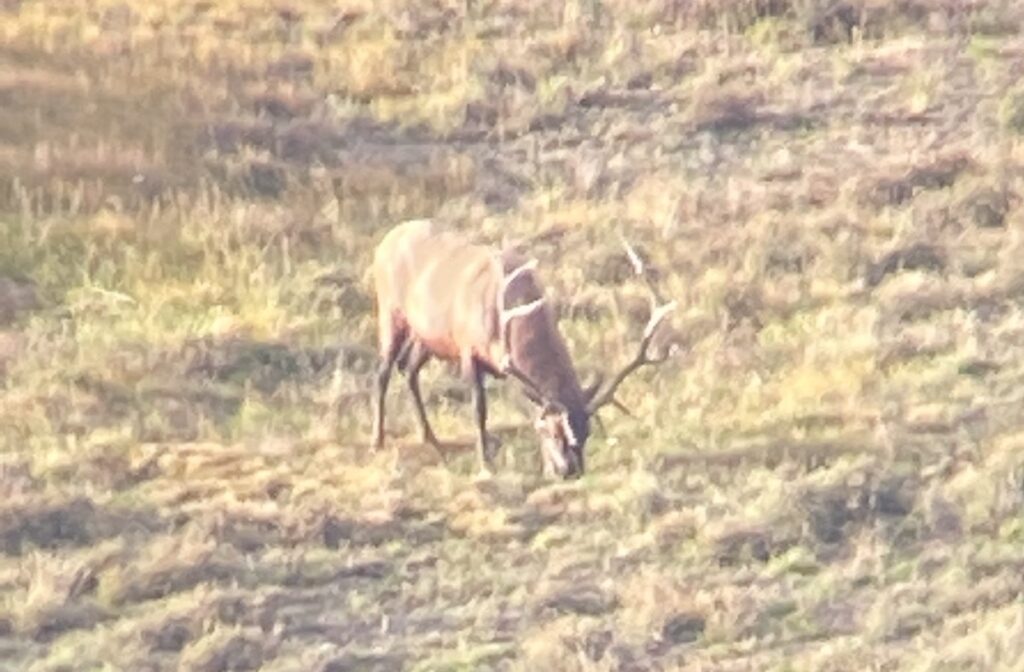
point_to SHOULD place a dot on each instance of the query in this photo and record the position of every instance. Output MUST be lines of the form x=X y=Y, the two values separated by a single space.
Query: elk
x=441 y=295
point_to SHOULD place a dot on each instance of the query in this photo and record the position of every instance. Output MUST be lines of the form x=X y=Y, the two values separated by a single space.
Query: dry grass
x=829 y=477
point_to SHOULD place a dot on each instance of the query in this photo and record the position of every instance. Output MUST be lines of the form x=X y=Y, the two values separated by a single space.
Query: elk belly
x=442 y=347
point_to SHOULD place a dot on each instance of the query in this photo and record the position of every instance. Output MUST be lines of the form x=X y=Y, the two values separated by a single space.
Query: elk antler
x=641 y=269
x=505 y=317
x=605 y=394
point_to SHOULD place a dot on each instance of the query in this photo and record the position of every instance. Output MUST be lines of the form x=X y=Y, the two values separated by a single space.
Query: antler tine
x=658 y=316
x=659 y=311
x=634 y=258
x=641 y=270
x=507 y=280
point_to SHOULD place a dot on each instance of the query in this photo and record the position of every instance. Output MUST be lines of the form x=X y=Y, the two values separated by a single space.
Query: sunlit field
x=827 y=475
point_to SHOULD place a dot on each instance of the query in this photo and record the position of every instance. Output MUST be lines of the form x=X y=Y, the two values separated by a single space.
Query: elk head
x=563 y=429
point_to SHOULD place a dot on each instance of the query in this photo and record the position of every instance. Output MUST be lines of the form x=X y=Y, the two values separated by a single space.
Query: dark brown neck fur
x=539 y=350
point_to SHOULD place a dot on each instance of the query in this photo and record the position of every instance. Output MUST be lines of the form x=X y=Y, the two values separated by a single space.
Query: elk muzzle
x=564 y=464
x=560 y=449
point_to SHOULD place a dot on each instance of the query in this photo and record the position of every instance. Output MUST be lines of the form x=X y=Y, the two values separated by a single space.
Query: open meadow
x=828 y=475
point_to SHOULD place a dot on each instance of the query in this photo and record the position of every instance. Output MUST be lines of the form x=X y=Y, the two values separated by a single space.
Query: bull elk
x=441 y=295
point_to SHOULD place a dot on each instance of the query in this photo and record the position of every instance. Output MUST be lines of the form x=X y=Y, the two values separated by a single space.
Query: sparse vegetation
x=828 y=477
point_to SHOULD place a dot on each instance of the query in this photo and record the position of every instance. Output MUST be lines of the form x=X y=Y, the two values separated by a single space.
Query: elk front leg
x=480 y=406
x=418 y=356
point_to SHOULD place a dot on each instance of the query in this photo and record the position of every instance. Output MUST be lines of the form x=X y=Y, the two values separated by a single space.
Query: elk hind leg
x=417 y=357
x=390 y=352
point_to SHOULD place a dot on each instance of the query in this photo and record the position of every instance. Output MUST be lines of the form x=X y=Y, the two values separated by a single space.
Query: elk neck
x=538 y=349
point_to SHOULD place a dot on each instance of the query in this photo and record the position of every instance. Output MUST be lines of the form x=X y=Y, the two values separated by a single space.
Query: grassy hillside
x=830 y=476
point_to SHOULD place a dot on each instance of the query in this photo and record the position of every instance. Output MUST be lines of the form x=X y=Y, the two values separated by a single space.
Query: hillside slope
x=828 y=477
